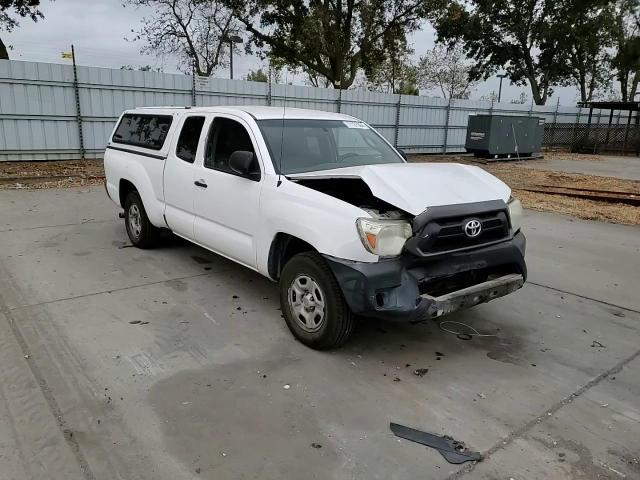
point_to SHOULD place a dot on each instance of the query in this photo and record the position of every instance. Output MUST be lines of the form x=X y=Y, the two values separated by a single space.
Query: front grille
x=448 y=233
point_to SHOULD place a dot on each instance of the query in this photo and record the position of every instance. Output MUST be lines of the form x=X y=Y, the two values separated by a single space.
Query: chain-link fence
x=585 y=138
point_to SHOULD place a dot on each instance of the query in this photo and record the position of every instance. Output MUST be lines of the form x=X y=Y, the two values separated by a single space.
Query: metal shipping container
x=504 y=135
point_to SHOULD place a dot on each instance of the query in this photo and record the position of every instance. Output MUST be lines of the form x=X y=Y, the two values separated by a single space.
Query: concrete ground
x=86 y=392
x=626 y=168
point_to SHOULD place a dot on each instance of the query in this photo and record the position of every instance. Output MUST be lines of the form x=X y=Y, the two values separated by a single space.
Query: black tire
x=338 y=322
x=146 y=236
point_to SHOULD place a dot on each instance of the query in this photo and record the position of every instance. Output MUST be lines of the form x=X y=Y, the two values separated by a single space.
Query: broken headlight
x=383 y=237
x=515 y=214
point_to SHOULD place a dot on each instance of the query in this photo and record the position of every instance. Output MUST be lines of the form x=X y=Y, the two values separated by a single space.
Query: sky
x=99 y=30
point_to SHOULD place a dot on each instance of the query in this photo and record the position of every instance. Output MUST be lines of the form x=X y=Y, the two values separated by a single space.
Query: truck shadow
x=397 y=342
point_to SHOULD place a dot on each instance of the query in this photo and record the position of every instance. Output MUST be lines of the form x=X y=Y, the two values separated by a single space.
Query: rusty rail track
x=45 y=178
x=628 y=198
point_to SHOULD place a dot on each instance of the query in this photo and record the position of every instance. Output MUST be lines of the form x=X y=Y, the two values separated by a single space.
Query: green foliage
x=407 y=87
x=545 y=43
x=21 y=8
x=394 y=74
x=257 y=76
x=583 y=33
x=521 y=100
x=510 y=35
x=141 y=68
x=626 y=60
x=333 y=39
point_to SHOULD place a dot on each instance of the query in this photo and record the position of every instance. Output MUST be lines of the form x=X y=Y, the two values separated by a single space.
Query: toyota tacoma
x=322 y=204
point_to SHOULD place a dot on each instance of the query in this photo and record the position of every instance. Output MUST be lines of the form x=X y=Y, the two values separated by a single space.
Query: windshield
x=312 y=145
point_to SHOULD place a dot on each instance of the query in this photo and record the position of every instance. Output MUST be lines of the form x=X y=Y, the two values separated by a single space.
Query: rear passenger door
x=179 y=175
x=227 y=203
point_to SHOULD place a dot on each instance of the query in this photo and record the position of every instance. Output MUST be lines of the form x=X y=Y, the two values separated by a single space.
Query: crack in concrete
x=505 y=442
x=584 y=297
x=55 y=226
x=111 y=290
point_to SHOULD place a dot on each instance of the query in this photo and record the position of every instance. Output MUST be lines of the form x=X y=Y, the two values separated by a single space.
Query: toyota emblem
x=472 y=228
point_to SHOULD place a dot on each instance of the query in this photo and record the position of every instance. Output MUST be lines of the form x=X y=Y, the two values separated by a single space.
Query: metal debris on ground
x=420 y=372
x=452 y=450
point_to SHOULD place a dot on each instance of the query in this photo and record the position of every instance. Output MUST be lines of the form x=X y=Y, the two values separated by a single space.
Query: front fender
x=326 y=223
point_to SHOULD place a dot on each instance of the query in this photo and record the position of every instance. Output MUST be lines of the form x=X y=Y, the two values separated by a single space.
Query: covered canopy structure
x=614 y=136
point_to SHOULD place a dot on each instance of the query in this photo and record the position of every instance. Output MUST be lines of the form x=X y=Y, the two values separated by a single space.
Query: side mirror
x=240 y=162
x=402 y=153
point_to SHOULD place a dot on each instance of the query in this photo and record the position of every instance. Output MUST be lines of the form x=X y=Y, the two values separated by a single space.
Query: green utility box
x=504 y=136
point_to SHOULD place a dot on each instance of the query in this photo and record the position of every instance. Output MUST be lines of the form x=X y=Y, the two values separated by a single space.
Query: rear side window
x=147 y=131
x=189 y=138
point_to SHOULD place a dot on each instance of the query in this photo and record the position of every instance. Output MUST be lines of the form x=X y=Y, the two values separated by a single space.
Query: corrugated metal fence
x=45 y=115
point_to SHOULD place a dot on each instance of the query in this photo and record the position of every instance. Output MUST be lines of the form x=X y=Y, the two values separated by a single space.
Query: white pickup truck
x=323 y=204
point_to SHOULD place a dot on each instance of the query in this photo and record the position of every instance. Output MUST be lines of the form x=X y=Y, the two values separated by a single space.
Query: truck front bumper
x=411 y=289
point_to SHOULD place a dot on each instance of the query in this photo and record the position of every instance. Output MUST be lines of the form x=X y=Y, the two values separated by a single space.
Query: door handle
x=200 y=183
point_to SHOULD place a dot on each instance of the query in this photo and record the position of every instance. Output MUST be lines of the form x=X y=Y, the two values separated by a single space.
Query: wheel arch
x=125 y=187
x=284 y=247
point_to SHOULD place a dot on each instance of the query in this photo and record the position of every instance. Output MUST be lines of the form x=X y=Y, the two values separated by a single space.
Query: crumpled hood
x=413 y=187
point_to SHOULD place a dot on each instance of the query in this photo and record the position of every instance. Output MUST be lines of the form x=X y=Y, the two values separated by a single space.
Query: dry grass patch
x=76 y=173
x=519 y=177
x=54 y=174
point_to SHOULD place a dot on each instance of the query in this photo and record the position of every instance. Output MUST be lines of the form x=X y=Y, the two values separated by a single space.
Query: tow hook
x=121 y=215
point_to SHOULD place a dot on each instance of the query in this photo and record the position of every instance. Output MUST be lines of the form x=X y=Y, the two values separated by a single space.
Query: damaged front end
x=458 y=256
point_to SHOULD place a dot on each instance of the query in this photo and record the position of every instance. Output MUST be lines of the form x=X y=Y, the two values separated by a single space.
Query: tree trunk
x=623 y=78
x=538 y=98
x=4 y=54
x=535 y=90
x=582 y=80
x=634 y=87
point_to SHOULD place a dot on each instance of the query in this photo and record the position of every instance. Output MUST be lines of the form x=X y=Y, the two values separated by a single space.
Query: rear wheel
x=141 y=231
x=312 y=303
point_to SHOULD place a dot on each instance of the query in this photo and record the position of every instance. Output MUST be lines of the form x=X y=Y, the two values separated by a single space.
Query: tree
x=507 y=34
x=394 y=74
x=257 y=76
x=491 y=97
x=448 y=70
x=21 y=8
x=584 y=35
x=332 y=39
x=196 y=31
x=626 y=61
x=521 y=100
x=408 y=87
x=141 y=68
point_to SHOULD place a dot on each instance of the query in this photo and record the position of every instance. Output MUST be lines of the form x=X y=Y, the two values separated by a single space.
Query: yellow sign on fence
x=67 y=55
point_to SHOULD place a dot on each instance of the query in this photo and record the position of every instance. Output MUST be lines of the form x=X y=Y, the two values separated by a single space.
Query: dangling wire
x=463 y=335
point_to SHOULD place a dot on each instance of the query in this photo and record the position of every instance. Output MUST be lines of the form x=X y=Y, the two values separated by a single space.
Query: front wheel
x=141 y=231
x=312 y=303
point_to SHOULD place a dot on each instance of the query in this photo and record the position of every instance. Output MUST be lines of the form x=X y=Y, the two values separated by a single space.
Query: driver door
x=226 y=204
